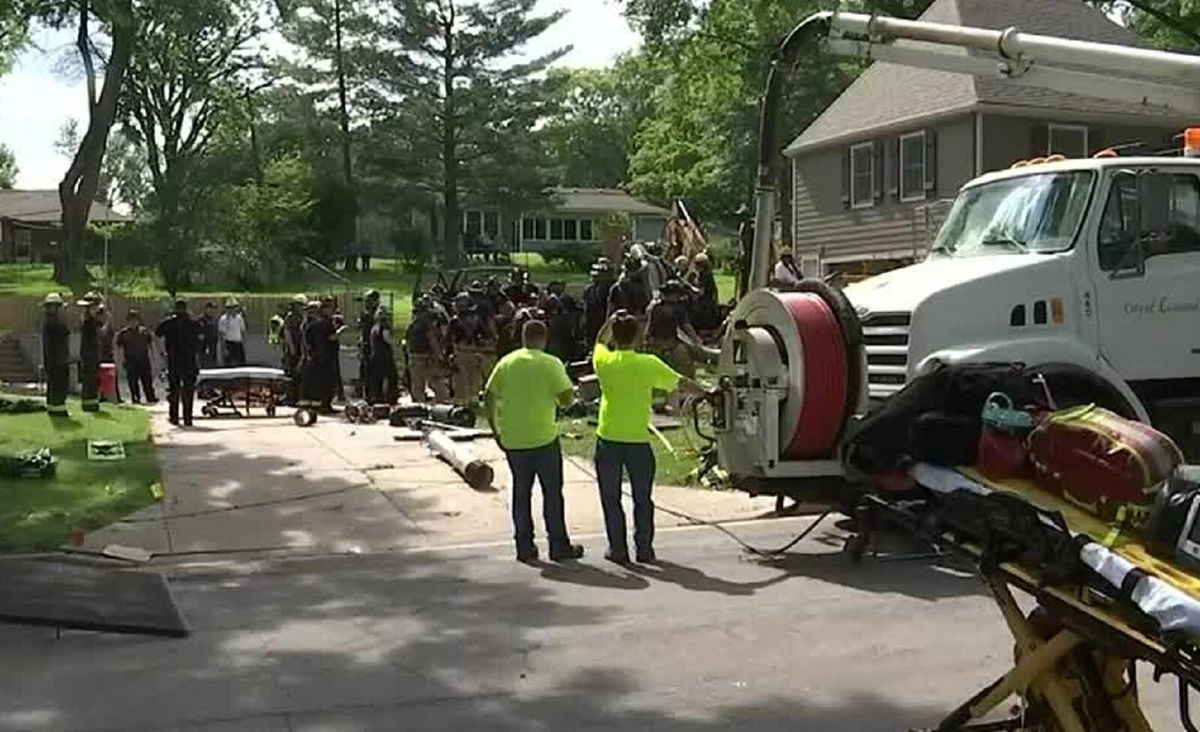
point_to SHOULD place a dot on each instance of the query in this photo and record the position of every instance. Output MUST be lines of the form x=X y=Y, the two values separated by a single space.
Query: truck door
x=1148 y=301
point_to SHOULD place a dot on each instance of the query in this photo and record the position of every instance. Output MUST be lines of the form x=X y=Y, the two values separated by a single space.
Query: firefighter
x=89 y=353
x=56 y=355
x=293 y=347
x=425 y=352
x=595 y=298
x=134 y=340
x=668 y=322
x=181 y=340
x=366 y=324
x=314 y=367
x=209 y=336
x=630 y=292
x=706 y=313
x=384 y=386
x=473 y=338
x=275 y=328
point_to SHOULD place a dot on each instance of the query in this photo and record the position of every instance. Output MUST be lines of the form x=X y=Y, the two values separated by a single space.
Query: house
x=31 y=224
x=572 y=217
x=874 y=175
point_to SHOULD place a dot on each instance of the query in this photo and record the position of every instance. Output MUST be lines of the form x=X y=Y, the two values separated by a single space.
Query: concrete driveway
x=263 y=484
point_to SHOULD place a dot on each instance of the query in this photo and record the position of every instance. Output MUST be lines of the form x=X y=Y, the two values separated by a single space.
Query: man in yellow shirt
x=522 y=395
x=628 y=380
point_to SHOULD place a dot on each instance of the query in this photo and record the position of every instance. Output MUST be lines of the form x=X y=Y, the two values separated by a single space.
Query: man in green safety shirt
x=628 y=380
x=522 y=396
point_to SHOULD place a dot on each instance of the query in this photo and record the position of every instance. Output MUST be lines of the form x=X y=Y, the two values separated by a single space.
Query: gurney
x=246 y=387
x=1102 y=601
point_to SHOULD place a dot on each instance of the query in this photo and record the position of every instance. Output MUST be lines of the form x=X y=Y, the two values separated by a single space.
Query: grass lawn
x=579 y=440
x=40 y=514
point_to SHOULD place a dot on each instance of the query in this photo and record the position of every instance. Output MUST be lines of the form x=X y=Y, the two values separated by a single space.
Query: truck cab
x=1092 y=265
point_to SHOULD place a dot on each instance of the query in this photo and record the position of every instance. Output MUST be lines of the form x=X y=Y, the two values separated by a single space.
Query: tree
x=330 y=33
x=192 y=59
x=123 y=174
x=8 y=168
x=463 y=109
x=599 y=112
x=117 y=20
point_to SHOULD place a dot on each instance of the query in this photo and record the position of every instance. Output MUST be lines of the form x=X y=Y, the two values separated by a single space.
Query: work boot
x=616 y=557
x=527 y=555
x=566 y=553
x=646 y=556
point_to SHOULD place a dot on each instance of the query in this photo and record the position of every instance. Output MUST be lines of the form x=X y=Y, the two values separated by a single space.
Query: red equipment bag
x=1002 y=455
x=1101 y=461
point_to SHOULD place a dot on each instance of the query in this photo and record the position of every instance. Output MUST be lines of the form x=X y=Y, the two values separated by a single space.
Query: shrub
x=572 y=257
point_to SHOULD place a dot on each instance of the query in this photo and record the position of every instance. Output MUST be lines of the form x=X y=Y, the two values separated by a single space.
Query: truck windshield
x=1029 y=213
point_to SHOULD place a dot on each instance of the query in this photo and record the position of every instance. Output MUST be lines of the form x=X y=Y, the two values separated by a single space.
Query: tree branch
x=84 y=43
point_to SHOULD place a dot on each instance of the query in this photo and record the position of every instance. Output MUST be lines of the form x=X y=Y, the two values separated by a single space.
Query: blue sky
x=35 y=100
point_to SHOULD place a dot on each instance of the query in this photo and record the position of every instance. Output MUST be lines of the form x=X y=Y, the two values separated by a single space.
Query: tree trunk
x=452 y=218
x=350 y=218
x=78 y=187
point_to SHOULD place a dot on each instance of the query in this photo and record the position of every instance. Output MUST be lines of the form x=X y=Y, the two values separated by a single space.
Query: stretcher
x=1102 y=601
x=230 y=391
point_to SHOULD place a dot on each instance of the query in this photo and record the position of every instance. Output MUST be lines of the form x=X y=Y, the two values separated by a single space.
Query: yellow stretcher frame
x=1040 y=675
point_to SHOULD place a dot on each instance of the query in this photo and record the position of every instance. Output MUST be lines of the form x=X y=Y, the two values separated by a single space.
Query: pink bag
x=1002 y=455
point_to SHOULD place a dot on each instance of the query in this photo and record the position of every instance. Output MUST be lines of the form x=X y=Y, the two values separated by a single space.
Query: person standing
x=787 y=274
x=668 y=321
x=471 y=336
x=628 y=380
x=707 y=313
x=425 y=352
x=89 y=353
x=231 y=329
x=631 y=292
x=384 y=386
x=330 y=312
x=293 y=347
x=595 y=299
x=522 y=396
x=366 y=325
x=181 y=341
x=209 y=336
x=107 y=335
x=134 y=341
x=56 y=355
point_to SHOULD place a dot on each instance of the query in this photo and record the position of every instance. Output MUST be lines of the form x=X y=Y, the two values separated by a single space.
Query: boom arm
x=1155 y=79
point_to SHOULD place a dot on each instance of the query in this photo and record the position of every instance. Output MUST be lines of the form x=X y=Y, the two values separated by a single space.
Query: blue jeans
x=636 y=459
x=544 y=463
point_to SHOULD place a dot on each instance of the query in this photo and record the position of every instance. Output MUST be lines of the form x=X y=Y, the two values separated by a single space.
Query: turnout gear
x=56 y=356
x=89 y=360
x=316 y=367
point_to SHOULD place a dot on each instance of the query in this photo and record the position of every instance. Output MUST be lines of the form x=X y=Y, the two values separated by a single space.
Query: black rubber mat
x=63 y=595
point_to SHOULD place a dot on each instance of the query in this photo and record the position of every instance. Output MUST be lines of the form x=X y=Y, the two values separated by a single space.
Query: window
x=1117 y=228
x=585 y=230
x=912 y=167
x=862 y=175
x=570 y=230
x=22 y=245
x=556 y=229
x=1069 y=140
x=473 y=222
x=491 y=223
x=539 y=229
x=527 y=228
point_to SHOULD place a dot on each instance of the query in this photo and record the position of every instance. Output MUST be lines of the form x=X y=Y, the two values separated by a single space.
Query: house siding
x=827 y=231
x=1007 y=139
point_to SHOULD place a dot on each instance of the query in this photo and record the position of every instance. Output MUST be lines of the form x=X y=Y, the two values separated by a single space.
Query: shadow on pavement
x=590 y=575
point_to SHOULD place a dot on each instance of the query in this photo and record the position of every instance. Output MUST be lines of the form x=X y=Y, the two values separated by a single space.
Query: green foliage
x=574 y=257
x=8 y=168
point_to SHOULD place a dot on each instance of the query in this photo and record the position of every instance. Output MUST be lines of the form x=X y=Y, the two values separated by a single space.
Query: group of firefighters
x=455 y=339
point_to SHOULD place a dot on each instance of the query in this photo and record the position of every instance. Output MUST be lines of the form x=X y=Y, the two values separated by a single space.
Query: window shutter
x=893 y=168
x=877 y=152
x=1039 y=141
x=846 y=172
x=931 y=163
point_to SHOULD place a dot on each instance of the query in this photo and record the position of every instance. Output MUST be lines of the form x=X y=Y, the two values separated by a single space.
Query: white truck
x=1090 y=266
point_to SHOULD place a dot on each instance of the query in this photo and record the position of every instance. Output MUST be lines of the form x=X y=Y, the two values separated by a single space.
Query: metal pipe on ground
x=462 y=458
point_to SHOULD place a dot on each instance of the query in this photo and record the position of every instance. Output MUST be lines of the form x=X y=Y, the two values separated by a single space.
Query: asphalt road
x=468 y=639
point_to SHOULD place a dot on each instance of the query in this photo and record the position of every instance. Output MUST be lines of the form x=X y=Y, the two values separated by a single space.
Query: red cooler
x=108 y=380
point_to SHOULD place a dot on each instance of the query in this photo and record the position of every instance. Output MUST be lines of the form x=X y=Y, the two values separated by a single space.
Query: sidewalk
x=263 y=484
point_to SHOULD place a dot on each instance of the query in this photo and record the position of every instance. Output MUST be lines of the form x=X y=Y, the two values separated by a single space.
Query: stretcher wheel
x=305 y=417
x=855 y=548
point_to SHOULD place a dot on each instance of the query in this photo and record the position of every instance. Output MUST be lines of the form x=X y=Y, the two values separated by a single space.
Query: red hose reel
x=826 y=376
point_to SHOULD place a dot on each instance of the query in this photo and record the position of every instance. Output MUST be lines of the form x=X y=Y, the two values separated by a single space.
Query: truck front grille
x=885 y=337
